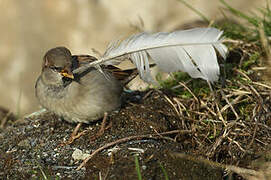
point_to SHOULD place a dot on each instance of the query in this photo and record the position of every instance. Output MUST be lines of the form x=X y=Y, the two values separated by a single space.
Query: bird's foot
x=75 y=135
x=102 y=129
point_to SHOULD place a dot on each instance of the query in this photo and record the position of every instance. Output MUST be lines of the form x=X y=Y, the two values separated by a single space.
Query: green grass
x=254 y=22
x=139 y=176
x=164 y=171
x=195 y=10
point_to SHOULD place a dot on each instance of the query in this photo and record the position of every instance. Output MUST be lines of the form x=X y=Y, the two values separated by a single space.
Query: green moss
x=252 y=60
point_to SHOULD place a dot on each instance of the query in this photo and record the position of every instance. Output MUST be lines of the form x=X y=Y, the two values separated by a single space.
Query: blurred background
x=29 y=28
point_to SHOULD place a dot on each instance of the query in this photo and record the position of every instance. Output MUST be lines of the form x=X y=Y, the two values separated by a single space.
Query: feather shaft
x=191 y=51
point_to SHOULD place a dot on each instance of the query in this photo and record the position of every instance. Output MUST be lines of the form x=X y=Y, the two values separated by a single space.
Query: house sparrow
x=80 y=98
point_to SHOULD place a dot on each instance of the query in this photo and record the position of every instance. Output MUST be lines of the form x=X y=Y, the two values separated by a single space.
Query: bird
x=80 y=97
x=76 y=97
x=83 y=89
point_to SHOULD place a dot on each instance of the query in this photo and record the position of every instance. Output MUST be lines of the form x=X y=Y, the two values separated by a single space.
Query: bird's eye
x=58 y=69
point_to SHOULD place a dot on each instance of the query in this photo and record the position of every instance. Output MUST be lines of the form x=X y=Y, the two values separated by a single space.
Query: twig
x=203 y=104
x=147 y=94
x=261 y=124
x=235 y=101
x=162 y=137
x=263 y=85
x=173 y=105
x=219 y=114
x=237 y=92
x=217 y=143
x=243 y=74
x=119 y=141
x=265 y=144
x=187 y=88
x=180 y=104
x=253 y=136
x=181 y=116
x=235 y=142
x=256 y=93
x=233 y=41
x=229 y=104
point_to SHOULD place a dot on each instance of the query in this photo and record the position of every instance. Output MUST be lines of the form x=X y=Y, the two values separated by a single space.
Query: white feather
x=191 y=51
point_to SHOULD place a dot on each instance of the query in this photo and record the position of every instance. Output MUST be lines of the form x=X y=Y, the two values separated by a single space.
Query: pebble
x=79 y=155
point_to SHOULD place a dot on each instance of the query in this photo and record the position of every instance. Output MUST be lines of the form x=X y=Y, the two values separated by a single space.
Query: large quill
x=192 y=51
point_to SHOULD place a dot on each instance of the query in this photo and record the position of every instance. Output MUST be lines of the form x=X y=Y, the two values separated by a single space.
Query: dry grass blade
x=172 y=104
x=204 y=105
x=189 y=90
x=218 y=141
x=237 y=92
x=256 y=93
x=229 y=104
x=263 y=85
x=235 y=142
x=182 y=108
x=243 y=74
x=233 y=102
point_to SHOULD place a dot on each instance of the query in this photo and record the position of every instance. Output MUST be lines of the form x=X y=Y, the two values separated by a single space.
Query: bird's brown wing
x=125 y=76
x=80 y=60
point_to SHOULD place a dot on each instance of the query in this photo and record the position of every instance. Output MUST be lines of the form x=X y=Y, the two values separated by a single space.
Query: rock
x=79 y=155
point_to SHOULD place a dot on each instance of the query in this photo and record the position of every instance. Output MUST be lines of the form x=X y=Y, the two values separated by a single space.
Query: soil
x=32 y=148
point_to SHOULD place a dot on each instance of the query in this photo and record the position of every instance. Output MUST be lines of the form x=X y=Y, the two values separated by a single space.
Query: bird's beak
x=67 y=74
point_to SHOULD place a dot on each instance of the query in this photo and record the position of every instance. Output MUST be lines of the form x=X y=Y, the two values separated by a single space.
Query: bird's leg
x=102 y=129
x=75 y=131
x=75 y=134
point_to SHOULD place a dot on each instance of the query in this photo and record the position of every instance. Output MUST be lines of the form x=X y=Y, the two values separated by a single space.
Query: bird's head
x=56 y=66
